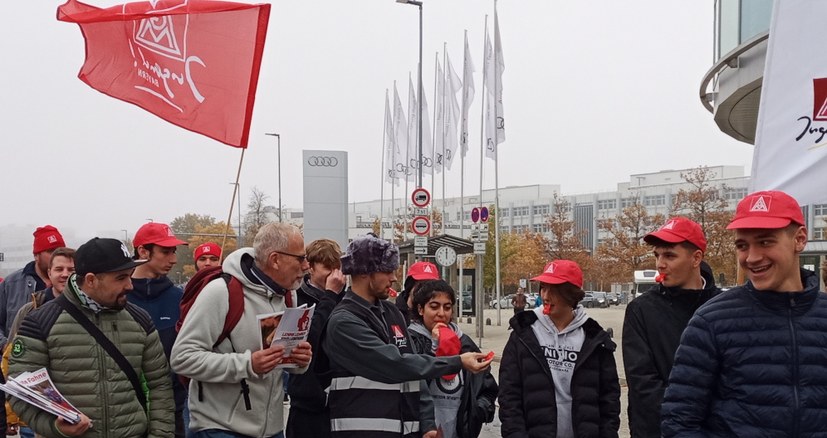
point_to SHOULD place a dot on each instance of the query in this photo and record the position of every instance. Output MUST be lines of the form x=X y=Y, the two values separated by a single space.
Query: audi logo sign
x=322 y=161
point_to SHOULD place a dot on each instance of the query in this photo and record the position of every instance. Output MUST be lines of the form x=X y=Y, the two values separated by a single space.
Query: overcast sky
x=593 y=92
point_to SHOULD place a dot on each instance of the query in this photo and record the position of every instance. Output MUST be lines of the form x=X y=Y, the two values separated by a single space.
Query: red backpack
x=197 y=284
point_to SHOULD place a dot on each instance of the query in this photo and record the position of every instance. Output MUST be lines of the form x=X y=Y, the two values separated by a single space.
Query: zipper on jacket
x=796 y=401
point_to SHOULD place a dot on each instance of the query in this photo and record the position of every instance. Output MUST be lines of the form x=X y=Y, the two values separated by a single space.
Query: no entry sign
x=421 y=225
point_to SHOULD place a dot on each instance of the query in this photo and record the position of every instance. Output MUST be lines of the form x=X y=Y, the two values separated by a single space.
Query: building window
x=820 y=209
x=520 y=211
x=540 y=209
x=541 y=228
x=735 y=194
x=627 y=202
x=655 y=200
x=504 y=212
x=607 y=204
x=467 y=215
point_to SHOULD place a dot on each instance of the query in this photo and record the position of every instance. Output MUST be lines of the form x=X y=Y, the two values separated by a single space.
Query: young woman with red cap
x=461 y=402
x=558 y=375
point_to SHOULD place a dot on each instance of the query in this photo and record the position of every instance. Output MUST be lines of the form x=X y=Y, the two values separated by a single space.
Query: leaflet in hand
x=37 y=389
x=287 y=328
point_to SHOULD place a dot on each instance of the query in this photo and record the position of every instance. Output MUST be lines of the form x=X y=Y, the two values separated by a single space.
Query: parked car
x=601 y=299
x=505 y=302
x=588 y=301
x=531 y=300
x=614 y=298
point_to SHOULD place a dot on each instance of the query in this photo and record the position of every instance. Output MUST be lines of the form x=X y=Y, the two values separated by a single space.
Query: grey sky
x=593 y=91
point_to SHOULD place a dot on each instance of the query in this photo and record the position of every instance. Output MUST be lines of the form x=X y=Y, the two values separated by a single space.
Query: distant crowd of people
x=141 y=357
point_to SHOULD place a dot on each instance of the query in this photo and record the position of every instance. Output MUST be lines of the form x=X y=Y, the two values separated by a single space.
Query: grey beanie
x=368 y=254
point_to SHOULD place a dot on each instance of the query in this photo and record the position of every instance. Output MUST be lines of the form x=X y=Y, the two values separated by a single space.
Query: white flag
x=427 y=142
x=791 y=137
x=495 y=117
x=390 y=174
x=400 y=135
x=413 y=144
x=467 y=96
x=439 y=118
x=453 y=85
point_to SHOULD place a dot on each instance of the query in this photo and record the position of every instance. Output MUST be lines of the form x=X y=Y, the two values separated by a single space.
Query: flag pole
x=407 y=164
x=383 y=170
x=482 y=158
x=444 y=114
x=462 y=142
x=232 y=203
x=496 y=166
x=433 y=149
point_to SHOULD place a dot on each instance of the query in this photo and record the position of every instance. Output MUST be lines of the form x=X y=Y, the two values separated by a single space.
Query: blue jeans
x=26 y=432
x=218 y=433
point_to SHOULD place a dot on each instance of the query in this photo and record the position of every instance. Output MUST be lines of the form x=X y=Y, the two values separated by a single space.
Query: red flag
x=194 y=63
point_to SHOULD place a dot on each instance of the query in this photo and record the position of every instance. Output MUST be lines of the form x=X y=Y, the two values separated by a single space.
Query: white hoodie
x=561 y=348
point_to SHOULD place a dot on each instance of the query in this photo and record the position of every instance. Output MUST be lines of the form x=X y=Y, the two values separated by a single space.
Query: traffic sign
x=420 y=212
x=421 y=197
x=475 y=215
x=421 y=225
x=484 y=214
x=479 y=248
x=420 y=250
x=420 y=241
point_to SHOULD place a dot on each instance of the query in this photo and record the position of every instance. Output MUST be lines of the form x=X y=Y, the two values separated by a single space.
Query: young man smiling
x=654 y=321
x=753 y=361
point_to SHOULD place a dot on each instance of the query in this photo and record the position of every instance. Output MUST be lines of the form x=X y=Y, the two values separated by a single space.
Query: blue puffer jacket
x=752 y=364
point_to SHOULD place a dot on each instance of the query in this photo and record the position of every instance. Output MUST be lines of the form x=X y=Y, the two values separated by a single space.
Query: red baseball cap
x=157 y=234
x=207 y=248
x=561 y=271
x=423 y=271
x=767 y=209
x=677 y=230
x=46 y=238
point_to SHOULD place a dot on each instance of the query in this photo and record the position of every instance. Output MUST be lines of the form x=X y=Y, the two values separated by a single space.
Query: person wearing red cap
x=462 y=401
x=753 y=360
x=417 y=273
x=19 y=286
x=655 y=320
x=558 y=375
x=153 y=291
x=206 y=254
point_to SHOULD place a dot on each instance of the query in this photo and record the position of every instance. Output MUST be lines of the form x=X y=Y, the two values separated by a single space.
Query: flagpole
x=461 y=152
x=496 y=170
x=478 y=267
x=407 y=165
x=384 y=171
x=444 y=114
x=232 y=203
x=433 y=149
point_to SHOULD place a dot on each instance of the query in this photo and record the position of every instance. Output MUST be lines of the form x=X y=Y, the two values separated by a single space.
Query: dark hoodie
x=652 y=331
x=161 y=299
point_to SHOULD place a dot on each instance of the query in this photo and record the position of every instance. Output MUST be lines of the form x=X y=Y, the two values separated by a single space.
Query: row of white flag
x=450 y=132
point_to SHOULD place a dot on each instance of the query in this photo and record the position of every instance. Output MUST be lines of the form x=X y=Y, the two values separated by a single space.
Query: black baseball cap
x=101 y=255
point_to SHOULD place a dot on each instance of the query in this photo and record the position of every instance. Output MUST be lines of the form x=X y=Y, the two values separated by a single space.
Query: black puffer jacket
x=652 y=332
x=752 y=364
x=527 y=400
x=478 y=393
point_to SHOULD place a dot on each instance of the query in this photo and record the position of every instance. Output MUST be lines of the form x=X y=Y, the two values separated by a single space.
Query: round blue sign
x=484 y=214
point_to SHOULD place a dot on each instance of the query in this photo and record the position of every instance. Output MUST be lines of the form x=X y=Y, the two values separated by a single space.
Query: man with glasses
x=269 y=272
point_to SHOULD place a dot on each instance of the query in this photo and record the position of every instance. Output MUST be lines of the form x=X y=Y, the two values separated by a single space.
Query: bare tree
x=256 y=216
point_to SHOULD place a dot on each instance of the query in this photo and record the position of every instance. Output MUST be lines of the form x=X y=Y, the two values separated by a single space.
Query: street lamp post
x=278 y=142
x=418 y=94
x=125 y=236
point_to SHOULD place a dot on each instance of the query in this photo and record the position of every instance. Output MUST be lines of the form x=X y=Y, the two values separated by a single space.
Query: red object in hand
x=660 y=278
x=546 y=308
x=489 y=356
x=393 y=293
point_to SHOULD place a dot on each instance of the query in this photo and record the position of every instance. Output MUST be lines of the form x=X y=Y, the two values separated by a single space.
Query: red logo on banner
x=194 y=63
x=820 y=99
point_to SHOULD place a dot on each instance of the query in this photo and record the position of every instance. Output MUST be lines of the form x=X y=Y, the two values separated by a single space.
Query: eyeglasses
x=300 y=258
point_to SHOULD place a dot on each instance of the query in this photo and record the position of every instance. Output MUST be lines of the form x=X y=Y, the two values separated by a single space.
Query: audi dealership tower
x=325 y=196
x=731 y=89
